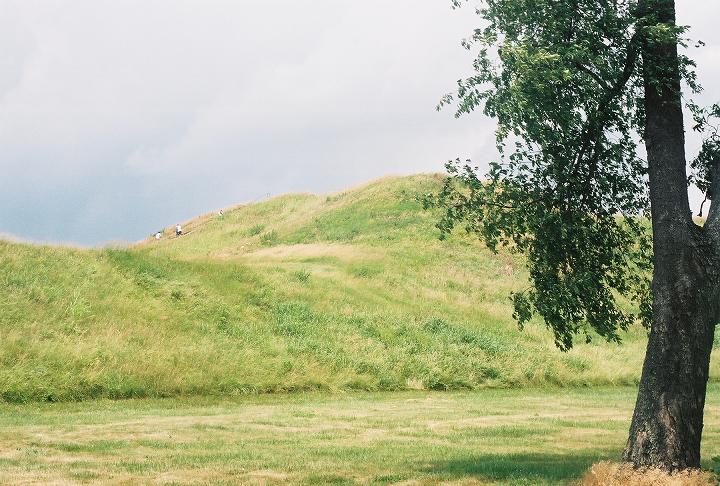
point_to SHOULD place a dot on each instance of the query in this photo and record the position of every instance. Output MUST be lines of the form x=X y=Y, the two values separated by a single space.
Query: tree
x=574 y=85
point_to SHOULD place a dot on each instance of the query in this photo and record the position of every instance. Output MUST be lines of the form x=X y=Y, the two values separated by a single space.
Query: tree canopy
x=564 y=80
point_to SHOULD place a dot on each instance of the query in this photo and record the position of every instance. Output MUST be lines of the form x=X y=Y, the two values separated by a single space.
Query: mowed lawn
x=479 y=437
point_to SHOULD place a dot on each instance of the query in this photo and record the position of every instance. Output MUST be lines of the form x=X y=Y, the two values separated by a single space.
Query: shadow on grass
x=519 y=468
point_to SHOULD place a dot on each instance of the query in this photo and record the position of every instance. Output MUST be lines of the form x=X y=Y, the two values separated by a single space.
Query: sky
x=121 y=117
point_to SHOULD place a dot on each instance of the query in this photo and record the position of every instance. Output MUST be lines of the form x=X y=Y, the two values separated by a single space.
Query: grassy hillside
x=349 y=291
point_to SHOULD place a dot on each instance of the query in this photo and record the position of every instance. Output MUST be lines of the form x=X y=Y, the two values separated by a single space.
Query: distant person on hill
x=178 y=230
x=158 y=235
x=221 y=213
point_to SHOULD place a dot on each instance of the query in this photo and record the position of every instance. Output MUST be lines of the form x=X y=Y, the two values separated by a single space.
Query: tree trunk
x=667 y=424
x=668 y=420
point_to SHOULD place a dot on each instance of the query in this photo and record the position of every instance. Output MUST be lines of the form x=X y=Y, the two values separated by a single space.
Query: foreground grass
x=493 y=436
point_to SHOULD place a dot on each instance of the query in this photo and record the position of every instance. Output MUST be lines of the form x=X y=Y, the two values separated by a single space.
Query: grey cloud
x=119 y=117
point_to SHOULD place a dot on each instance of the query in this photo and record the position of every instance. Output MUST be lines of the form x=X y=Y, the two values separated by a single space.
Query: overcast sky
x=120 y=117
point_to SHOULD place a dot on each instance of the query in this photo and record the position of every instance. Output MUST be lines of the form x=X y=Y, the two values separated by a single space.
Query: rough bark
x=667 y=424
x=668 y=421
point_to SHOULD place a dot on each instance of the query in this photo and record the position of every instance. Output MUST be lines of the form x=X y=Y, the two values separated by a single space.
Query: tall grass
x=349 y=291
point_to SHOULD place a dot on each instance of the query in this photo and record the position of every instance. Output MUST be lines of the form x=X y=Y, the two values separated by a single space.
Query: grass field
x=305 y=340
x=528 y=437
x=351 y=291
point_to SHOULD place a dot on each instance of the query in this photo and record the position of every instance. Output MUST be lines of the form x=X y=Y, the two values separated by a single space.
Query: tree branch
x=592 y=74
x=712 y=224
x=593 y=130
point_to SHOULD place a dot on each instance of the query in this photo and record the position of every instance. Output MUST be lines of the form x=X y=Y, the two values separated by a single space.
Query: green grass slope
x=301 y=292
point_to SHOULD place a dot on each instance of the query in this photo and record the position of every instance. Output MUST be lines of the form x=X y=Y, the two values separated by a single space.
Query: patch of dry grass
x=615 y=474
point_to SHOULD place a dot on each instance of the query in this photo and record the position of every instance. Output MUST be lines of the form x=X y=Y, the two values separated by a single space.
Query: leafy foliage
x=563 y=79
x=702 y=166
